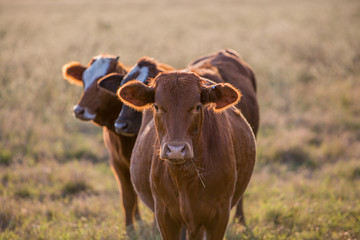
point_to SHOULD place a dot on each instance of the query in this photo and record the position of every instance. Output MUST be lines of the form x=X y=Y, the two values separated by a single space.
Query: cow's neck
x=107 y=117
x=120 y=145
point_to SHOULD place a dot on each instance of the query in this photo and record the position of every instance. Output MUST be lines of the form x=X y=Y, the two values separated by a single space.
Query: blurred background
x=55 y=179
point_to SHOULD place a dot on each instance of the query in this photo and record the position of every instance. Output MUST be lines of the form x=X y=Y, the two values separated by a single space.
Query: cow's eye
x=156 y=108
x=195 y=109
x=198 y=108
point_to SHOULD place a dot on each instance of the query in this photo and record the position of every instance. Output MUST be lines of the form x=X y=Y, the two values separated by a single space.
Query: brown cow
x=194 y=154
x=102 y=107
x=221 y=67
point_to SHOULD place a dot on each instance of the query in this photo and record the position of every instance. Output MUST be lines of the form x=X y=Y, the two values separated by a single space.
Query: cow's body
x=220 y=67
x=227 y=66
x=190 y=164
x=102 y=107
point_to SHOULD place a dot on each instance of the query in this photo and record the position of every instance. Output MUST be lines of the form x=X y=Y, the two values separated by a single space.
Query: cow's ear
x=136 y=95
x=110 y=82
x=73 y=72
x=224 y=95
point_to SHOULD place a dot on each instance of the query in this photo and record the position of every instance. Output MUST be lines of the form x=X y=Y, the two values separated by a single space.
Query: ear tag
x=213 y=87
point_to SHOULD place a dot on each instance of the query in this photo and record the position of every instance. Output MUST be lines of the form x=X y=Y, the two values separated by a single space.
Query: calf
x=102 y=107
x=194 y=154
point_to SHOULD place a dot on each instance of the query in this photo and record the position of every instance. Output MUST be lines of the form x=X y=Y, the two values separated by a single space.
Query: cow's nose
x=176 y=152
x=78 y=111
x=124 y=128
x=121 y=127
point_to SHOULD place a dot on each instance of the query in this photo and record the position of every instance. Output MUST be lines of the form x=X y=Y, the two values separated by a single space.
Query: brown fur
x=227 y=66
x=199 y=192
x=107 y=106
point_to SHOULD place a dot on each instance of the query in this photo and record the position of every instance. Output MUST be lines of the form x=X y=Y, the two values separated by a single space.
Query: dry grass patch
x=55 y=181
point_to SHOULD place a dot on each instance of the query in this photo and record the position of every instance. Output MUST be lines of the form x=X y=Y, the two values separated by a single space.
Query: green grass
x=55 y=180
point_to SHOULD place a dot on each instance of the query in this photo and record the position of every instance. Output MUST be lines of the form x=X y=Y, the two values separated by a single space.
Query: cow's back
x=227 y=66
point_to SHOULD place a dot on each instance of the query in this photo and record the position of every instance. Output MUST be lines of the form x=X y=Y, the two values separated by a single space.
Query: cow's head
x=178 y=100
x=129 y=120
x=96 y=103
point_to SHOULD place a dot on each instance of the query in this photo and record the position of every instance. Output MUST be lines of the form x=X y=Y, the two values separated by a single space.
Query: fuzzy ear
x=136 y=95
x=224 y=95
x=73 y=72
x=110 y=82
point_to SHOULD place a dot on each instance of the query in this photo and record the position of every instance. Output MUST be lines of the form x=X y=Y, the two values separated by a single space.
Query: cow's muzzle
x=123 y=129
x=83 y=114
x=176 y=152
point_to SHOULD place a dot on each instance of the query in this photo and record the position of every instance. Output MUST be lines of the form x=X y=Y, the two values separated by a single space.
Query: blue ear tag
x=213 y=87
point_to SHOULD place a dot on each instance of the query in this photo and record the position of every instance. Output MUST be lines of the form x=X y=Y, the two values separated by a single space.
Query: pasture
x=55 y=179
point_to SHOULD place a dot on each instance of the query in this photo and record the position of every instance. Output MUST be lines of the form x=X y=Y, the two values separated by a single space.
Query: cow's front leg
x=170 y=229
x=215 y=229
x=129 y=196
x=195 y=232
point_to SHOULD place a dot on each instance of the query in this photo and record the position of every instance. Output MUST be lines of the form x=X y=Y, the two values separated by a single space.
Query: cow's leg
x=215 y=229
x=136 y=207
x=183 y=232
x=195 y=233
x=129 y=197
x=169 y=228
x=239 y=214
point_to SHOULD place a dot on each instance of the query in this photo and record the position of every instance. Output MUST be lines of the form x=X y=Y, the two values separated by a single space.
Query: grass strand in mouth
x=198 y=173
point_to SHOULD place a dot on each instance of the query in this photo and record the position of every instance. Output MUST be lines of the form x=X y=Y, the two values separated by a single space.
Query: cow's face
x=178 y=100
x=129 y=120
x=95 y=100
x=178 y=116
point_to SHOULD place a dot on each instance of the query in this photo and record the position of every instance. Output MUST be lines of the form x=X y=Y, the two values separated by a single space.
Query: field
x=55 y=179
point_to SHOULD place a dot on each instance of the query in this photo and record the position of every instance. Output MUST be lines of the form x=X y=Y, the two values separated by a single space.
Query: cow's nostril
x=121 y=126
x=183 y=150
x=167 y=150
x=79 y=110
x=124 y=128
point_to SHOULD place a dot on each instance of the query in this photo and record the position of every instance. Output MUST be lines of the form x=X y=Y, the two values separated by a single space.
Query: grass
x=55 y=180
